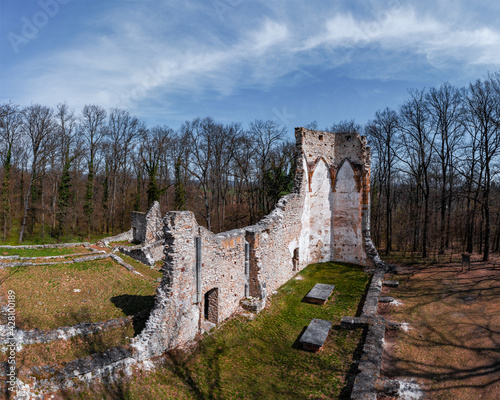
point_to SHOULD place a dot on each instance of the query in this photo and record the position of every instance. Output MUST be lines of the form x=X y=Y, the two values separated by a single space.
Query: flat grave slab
x=319 y=294
x=315 y=335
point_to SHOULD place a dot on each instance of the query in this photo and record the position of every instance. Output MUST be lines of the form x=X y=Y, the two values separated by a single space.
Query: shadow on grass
x=296 y=345
x=177 y=362
x=353 y=371
x=137 y=306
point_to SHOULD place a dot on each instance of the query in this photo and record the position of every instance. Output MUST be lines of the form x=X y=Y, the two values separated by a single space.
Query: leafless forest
x=70 y=174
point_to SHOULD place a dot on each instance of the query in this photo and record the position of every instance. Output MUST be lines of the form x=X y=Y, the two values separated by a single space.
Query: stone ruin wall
x=325 y=218
x=147 y=228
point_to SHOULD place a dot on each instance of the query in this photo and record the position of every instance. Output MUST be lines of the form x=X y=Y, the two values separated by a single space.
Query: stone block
x=315 y=335
x=319 y=294
x=353 y=322
x=386 y=299
x=393 y=284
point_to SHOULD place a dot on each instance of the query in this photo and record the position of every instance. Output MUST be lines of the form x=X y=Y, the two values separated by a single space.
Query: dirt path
x=452 y=348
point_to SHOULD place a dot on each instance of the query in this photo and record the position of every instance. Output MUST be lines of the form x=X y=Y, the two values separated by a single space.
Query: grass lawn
x=48 y=297
x=42 y=252
x=144 y=269
x=259 y=358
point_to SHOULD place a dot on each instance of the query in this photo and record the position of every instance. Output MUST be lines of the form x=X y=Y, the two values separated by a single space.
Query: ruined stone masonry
x=147 y=230
x=209 y=277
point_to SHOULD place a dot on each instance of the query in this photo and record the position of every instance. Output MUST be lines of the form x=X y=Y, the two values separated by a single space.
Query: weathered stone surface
x=371 y=301
x=124 y=264
x=91 y=258
x=393 y=284
x=315 y=335
x=138 y=253
x=320 y=293
x=389 y=387
x=122 y=237
x=386 y=299
x=147 y=227
x=353 y=322
x=253 y=304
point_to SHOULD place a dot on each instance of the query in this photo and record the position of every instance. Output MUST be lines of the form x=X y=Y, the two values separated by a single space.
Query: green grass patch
x=57 y=295
x=42 y=252
x=144 y=269
x=260 y=358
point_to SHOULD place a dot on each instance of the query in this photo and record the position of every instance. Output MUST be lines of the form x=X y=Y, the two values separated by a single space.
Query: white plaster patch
x=396 y=303
x=410 y=390
x=320 y=214
x=299 y=277
x=77 y=290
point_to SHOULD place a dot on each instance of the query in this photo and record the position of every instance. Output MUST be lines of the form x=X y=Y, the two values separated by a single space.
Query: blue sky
x=238 y=60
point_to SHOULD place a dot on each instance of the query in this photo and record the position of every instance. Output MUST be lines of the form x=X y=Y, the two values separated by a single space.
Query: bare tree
x=154 y=143
x=92 y=122
x=418 y=141
x=482 y=109
x=70 y=147
x=383 y=132
x=266 y=136
x=350 y=126
x=445 y=111
x=198 y=135
x=10 y=134
x=122 y=132
x=38 y=126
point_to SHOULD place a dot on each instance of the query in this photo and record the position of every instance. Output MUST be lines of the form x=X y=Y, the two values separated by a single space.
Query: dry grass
x=48 y=297
x=452 y=347
x=60 y=351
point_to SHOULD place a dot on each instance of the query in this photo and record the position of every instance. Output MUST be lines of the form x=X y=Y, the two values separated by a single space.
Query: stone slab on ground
x=385 y=299
x=393 y=284
x=315 y=335
x=319 y=294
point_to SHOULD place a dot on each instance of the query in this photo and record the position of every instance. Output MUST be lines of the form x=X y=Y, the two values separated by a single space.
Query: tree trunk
x=26 y=208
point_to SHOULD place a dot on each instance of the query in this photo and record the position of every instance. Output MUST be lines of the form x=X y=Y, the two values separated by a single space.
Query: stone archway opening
x=211 y=311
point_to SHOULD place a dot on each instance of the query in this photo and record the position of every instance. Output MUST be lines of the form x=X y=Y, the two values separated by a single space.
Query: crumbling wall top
x=332 y=147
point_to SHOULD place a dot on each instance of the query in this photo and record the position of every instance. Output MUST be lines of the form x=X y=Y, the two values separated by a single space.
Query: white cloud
x=140 y=55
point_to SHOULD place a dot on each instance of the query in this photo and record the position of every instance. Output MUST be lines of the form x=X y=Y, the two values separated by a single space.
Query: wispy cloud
x=127 y=55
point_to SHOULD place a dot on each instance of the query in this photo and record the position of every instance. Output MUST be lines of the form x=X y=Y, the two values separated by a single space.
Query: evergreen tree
x=6 y=193
x=180 y=190
x=64 y=195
